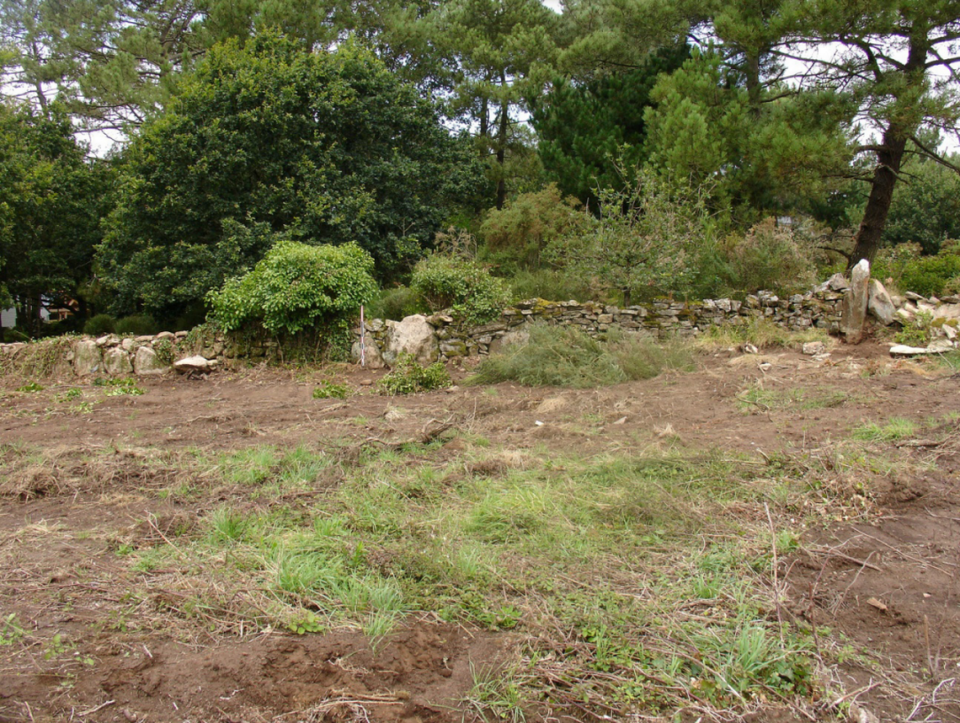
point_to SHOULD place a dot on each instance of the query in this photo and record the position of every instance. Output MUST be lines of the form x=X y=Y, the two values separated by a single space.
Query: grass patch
x=563 y=357
x=408 y=377
x=895 y=430
x=761 y=332
x=756 y=397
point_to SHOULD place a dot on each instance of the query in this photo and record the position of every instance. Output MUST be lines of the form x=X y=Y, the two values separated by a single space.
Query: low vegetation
x=567 y=357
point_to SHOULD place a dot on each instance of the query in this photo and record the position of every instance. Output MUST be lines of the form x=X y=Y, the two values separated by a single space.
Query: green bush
x=137 y=325
x=99 y=325
x=770 y=256
x=463 y=286
x=563 y=357
x=397 y=304
x=550 y=285
x=407 y=377
x=928 y=275
x=295 y=287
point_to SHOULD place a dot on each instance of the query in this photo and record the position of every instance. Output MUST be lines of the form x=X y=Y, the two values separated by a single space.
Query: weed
x=123 y=386
x=331 y=390
x=407 y=377
x=896 y=429
x=30 y=388
x=69 y=395
x=497 y=692
x=11 y=631
x=757 y=397
x=918 y=331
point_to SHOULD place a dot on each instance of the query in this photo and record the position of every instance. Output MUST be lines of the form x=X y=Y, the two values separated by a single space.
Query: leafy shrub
x=397 y=304
x=99 y=325
x=550 y=285
x=463 y=286
x=563 y=357
x=165 y=351
x=928 y=275
x=918 y=331
x=331 y=390
x=643 y=244
x=137 y=325
x=407 y=377
x=516 y=235
x=297 y=286
x=769 y=256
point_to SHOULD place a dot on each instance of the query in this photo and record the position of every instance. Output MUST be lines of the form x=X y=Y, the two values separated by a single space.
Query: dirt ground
x=887 y=581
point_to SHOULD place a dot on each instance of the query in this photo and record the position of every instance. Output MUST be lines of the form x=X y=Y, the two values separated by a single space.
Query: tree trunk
x=890 y=157
x=502 y=154
x=881 y=196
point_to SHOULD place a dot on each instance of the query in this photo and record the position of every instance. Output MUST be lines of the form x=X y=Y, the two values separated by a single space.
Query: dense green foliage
x=297 y=287
x=50 y=203
x=908 y=270
x=583 y=127
x=100 y=324
x=466 y=288
x=265 y=139
x=565 y=357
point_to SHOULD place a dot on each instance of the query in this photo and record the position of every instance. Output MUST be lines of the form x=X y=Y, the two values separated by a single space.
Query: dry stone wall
x=438 y=337
x=819 y=309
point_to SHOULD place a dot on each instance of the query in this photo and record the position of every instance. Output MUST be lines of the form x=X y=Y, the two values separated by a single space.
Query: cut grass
x=562 y=357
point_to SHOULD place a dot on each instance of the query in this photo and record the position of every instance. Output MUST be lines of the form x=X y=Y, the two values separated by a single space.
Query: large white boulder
x=414 y=336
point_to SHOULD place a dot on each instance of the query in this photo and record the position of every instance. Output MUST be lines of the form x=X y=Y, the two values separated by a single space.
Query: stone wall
x=819 y=309
x=439 y=337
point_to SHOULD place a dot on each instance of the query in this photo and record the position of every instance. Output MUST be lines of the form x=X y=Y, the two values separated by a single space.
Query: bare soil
x=886 y=581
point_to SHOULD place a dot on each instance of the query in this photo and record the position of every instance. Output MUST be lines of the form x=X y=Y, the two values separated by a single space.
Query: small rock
x=366 y=382
x=856 y=714
x=749 y=348
x=949 y=332
x=915 y=297
x=814 y=348
x=128 y=345
x=904 y=350
x=195 y=364
x=950 y=299
x=394 y=415
x=837 y=282
x=622 y=420
x=117 y=362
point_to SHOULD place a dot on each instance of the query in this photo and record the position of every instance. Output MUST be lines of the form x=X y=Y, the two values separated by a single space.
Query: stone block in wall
x=146 y=362
x=87 y=358
x=373 y=359
x=117 y=362
x=453 y=348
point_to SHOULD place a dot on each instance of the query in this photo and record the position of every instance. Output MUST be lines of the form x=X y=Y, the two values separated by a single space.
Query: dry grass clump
x=762 y=333
x=564 y=357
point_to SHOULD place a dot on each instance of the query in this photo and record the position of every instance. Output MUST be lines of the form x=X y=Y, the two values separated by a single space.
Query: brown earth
x=887 y=580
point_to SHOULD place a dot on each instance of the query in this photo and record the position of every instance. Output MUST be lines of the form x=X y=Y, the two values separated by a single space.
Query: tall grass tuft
x=555 y=356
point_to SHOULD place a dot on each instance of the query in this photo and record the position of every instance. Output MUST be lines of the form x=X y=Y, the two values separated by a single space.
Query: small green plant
x=11 y=631
x=165 y=351
x=331 y=390
x=408 y=377
x=303 y=622
x=69 y=395
x=30 y=388
x=918 y=331
x=124 y=386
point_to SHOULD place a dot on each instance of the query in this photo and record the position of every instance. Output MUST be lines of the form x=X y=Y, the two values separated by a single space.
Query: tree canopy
x=326 y=148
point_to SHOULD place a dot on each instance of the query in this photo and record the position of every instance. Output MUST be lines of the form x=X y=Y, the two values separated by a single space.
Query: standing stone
x=87 y=358
x=879 y=303
x=117 y=362
x=414 y=336
x=853 y=312
x=146 y=361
